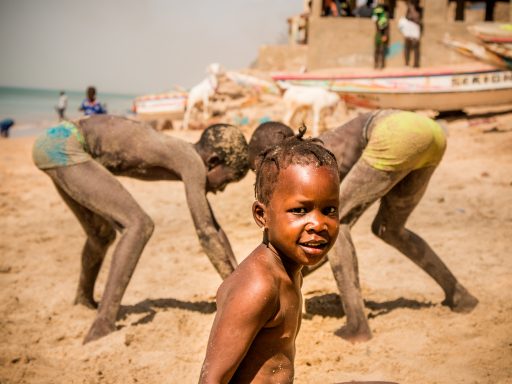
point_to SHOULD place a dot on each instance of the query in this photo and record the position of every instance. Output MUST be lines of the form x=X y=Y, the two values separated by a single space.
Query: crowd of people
x=380 y=12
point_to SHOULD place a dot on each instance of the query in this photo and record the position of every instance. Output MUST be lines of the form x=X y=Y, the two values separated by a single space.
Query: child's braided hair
x=294 y=150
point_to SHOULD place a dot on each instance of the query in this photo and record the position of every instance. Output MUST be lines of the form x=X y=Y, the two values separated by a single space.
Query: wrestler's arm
x=224 y=239
x=160 y=153
x=211 y=236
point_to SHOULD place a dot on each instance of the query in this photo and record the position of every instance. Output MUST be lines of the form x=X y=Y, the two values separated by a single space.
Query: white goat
x=319 y=100
x=202 y=93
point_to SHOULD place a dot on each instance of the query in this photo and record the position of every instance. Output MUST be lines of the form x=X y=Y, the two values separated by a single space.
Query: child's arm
x=245 y=303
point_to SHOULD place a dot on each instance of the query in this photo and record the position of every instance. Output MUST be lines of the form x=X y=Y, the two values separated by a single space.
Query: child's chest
x=286 y=321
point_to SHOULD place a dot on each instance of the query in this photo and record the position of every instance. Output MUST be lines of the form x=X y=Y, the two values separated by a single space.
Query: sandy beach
x=169 y=306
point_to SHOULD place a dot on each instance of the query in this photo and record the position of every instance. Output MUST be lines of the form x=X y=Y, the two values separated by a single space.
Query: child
x=81 y=158
x=387 y=155
x=91 y=106
x=259 y=306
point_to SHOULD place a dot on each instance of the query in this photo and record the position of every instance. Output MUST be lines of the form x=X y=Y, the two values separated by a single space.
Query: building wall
x=291 y=58
x=348 y=42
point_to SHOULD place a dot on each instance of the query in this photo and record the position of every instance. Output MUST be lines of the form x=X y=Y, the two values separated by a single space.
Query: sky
x=133 y=46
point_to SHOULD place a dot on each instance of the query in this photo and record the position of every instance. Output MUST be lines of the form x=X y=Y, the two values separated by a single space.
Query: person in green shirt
x=380 y=16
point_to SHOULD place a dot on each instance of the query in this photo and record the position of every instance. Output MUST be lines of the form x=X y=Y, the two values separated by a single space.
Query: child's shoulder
x=257 y=274
x=262 y=260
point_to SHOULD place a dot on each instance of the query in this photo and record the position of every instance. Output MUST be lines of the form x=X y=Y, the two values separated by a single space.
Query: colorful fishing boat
x=441 y=89
x=503 y=50
x=500 y=33
x=168 y=103
x=481 y=52
x=172 y=104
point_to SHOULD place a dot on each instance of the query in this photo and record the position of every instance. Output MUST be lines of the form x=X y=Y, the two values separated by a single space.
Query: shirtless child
x=259 y=306
x=388 y=155
x=82 y=157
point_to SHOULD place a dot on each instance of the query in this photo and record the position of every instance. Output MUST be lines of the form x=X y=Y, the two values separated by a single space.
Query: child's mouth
x=314 y=246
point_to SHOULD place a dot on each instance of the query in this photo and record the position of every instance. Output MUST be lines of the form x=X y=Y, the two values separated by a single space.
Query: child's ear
x=212 y=161
x=259 y=212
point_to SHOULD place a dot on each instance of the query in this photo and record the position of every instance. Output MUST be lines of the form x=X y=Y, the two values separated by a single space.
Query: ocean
x=34 y=109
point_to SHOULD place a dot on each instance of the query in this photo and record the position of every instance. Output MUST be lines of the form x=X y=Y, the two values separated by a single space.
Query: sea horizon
x=33 y=109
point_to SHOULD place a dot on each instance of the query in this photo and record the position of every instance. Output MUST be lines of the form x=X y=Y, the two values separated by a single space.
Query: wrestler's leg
x=389 y=225
x=92 y=186
x=100 y=235
x=362 y=186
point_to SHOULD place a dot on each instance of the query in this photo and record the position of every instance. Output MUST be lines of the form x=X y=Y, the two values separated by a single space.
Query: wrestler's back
x=132 y=148
x=346 y=142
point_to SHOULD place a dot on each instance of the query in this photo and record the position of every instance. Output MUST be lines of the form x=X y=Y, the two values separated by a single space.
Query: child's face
x=302 y=215
x=218 y=177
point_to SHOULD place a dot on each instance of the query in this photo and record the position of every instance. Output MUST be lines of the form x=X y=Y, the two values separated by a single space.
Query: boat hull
x=169 y=104
x=438 y=89
x=447 y=101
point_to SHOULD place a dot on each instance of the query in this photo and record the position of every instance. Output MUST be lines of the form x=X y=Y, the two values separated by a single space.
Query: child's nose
x=315 y=222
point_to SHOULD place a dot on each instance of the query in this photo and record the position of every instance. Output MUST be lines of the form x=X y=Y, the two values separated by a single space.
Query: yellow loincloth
x=404 y=141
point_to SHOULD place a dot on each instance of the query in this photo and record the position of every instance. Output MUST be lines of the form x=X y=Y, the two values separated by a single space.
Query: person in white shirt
x=411 y=27
x=62 y=105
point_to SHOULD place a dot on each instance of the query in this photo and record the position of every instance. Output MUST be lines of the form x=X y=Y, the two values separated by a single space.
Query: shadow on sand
x=149 y=307
x=456 y=115
x=329 y=305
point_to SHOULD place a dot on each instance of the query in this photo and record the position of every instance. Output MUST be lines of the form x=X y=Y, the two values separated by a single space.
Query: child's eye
x=329 y=211
x=298 y=211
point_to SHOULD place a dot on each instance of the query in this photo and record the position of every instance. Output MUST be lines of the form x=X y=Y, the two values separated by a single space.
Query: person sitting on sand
x=81 y=158
x=259 y=306
x=388 y=155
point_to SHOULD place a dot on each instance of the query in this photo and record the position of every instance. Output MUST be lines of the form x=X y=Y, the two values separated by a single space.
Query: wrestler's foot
x=358 y=333
x=89 y=302
x=461 y=301
x=99 y=328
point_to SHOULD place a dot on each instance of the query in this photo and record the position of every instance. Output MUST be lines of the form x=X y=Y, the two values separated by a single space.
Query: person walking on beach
x=91 y=106
x=259 y=306
x=62 y=105
x=82 y=157
x=386 y=155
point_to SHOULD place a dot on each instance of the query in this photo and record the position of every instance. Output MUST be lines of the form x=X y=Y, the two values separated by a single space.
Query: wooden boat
x=476 y=51
x=492 y=32
x=441 y=88
x=172 y=103
x=168 y=103
x=253 y=83
x=503 y=50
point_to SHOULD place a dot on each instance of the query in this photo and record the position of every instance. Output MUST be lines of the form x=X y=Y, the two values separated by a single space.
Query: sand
x=169 y=306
